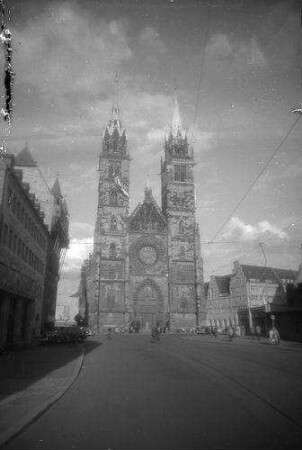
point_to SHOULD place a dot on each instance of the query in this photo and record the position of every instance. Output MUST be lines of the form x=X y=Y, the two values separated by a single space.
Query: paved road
x=185 y=392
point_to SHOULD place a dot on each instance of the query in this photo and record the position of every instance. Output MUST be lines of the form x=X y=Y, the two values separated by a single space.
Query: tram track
x=178 y=350
x=235 y=356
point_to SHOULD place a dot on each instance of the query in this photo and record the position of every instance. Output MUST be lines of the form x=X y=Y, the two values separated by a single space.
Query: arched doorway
x=148 y=304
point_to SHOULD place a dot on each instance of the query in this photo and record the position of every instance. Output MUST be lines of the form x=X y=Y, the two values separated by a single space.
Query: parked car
x=63 y=335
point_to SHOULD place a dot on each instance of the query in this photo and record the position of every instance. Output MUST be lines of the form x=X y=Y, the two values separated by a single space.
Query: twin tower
x=146 y=267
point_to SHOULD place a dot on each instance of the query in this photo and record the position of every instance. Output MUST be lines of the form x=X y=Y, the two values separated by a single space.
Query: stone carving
x=182 y=199
x=147 y=218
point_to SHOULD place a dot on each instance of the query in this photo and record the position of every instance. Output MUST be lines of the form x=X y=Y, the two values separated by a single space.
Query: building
x=146 y=265
x=250 y=296
x=23 y=256
x=219 y=305
x=256 y=291
x=56 y=220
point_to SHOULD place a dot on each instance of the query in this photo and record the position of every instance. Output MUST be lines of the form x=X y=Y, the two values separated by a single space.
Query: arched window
x=113 y=223
x=113 y=198
x=181 y=227
x=112 y=250
x=184 y=302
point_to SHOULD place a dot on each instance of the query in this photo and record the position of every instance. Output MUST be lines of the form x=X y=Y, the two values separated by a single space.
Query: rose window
x=148 y=254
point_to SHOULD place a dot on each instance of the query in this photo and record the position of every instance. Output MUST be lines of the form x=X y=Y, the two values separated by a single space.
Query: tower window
x=180 y=172
x=113 y=198
x=114 y=169
x=112 y=250
x=113 y=223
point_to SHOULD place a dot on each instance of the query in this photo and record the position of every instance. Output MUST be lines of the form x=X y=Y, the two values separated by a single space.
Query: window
x=112 y=250
x=113 y=223
x=10 y=242
x=111 y=273
x=114 y=169
x=15 y=243
x=113 y=198
x=180 y=172
x=5 y=234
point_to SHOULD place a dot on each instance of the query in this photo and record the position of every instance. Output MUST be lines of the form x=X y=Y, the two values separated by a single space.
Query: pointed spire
x=148 y=194
x=24 y=158
x=115 y=121
x=65 y=208
x=115 y=107
x=56 y=189
x=148 y=181
x=176 y=121
x=175 y=130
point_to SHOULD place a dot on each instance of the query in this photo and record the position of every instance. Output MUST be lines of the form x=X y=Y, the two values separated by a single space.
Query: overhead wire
x=290 y=225
x=243 y=197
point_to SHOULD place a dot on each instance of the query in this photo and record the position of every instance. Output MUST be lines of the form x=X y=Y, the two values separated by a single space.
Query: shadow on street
x=20 y=369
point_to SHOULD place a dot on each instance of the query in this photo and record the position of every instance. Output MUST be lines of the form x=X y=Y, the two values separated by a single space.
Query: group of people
x=273 y=334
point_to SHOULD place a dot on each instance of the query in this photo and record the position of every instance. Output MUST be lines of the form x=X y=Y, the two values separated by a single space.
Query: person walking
x=258 y=332
x=274 y=336
x=231 y=334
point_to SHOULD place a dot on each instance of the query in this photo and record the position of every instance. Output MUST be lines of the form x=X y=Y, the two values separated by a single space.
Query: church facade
x=146 y=267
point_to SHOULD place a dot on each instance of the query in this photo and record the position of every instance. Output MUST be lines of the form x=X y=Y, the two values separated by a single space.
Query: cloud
x=237 y=229
x=81 y=228
x=57 y=52
x=235 y=56
x=150 y=40
x=79 y=250
x=156 y=135
x=219 y=46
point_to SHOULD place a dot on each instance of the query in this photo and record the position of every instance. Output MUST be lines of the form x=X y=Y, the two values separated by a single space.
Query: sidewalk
x=32 y=380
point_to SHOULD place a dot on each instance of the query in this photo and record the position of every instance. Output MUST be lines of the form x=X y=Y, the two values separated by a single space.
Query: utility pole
x=98 y=295
x=196 y=280
x=251 y=325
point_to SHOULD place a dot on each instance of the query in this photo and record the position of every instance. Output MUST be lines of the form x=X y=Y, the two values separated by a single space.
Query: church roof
x=147 y=216
x=263 y=273
x=25 y=159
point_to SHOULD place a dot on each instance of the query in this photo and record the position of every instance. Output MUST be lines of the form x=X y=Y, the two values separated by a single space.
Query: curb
x=40 y=410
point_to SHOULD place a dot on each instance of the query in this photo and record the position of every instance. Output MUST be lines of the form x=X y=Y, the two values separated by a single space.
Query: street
x=184 y=392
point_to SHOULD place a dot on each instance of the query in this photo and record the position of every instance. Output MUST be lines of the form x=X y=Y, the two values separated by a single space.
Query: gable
x=147 y=218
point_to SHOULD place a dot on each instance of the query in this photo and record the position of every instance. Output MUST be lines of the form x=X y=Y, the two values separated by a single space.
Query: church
x=146 y=266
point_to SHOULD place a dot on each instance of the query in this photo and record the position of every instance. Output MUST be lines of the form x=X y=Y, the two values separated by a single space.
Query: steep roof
x=223 y=283
x=263 y=273
x=64 y=208
x=147 y=216
x=25 y=159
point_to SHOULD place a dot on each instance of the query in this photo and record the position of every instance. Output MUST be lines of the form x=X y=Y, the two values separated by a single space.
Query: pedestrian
x=258 y=332
x=274 y=336
x=231 y=334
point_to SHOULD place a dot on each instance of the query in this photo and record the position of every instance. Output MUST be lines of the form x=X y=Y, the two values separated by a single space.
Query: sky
x=237 y=66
